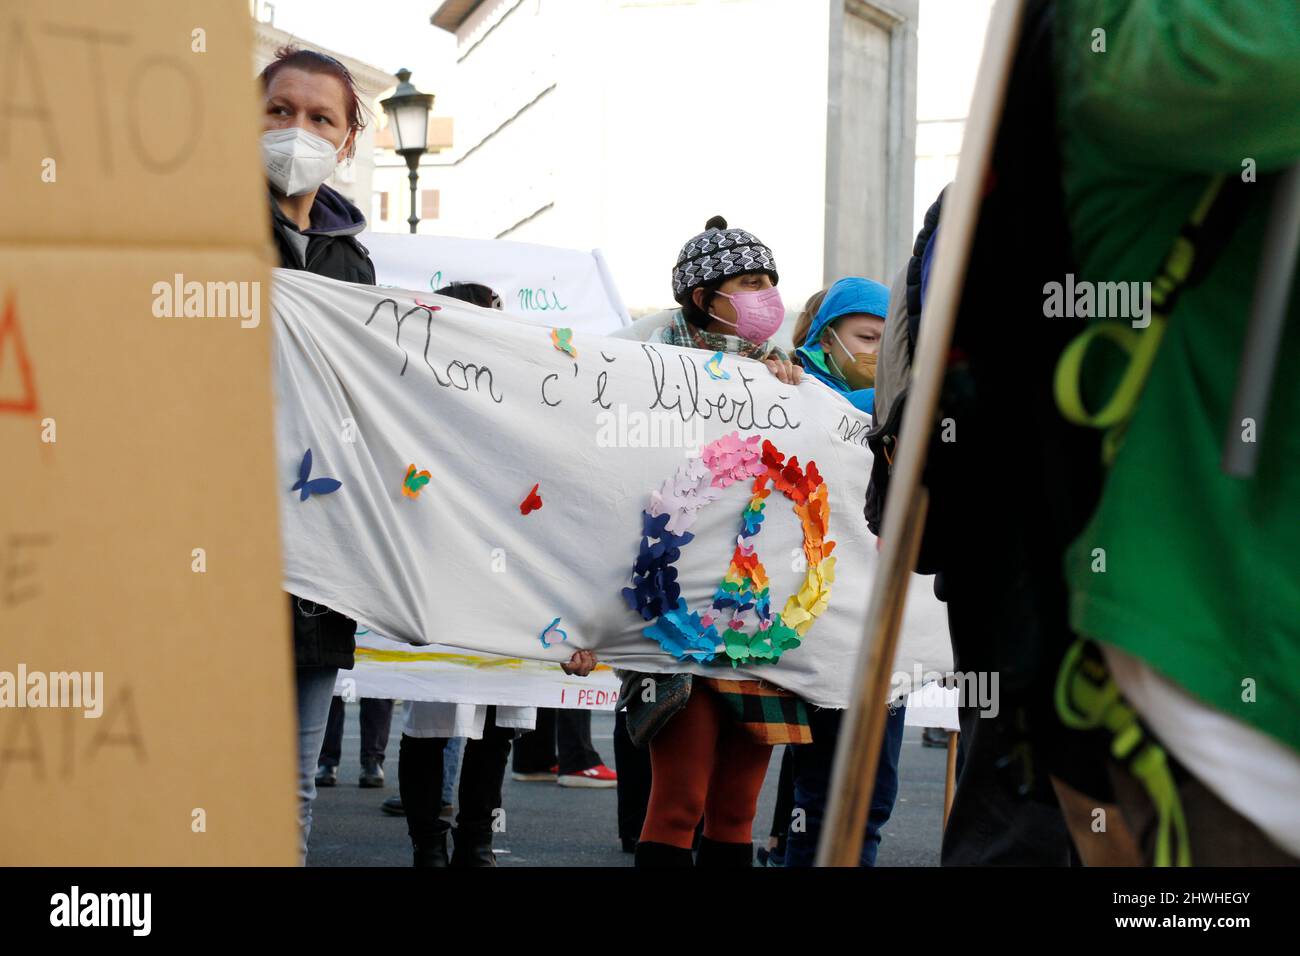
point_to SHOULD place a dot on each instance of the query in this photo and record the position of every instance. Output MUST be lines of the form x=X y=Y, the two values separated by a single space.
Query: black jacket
x=329 y=246
x=322 y=637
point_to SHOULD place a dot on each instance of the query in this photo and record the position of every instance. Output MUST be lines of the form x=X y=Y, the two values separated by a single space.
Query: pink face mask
x=758 y=314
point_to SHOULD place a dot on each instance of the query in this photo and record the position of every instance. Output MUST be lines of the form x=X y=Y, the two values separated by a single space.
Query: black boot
x=472 y=848
x=724 y=855
x=662 y=855
x=432 y=850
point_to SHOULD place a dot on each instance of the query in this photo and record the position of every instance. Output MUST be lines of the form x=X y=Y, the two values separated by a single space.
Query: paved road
x=547 y=825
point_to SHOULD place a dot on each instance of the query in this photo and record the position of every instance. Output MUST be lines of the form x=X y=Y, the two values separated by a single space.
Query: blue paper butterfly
x=313 y=486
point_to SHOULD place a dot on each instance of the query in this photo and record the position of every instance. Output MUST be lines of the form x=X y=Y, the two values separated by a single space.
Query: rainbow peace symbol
x=720 y=635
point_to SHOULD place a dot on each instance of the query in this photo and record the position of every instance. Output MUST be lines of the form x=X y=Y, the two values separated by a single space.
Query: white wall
x=662 y=115
x=637 y=120
x=713 y=108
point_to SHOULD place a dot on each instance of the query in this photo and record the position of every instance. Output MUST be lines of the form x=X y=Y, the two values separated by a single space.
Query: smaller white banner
x=554 y=287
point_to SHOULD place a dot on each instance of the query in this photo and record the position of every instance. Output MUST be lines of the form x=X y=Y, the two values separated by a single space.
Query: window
x=429 y=203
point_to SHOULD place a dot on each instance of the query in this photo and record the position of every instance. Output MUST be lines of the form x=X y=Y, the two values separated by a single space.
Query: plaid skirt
x=767 y=714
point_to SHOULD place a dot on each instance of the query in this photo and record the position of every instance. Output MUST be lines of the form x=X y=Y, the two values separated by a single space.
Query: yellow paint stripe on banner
x=465 y=660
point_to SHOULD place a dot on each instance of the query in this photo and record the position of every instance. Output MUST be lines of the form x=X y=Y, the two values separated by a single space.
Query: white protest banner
x=388 y=669
x=452 y=476
x=553 y=286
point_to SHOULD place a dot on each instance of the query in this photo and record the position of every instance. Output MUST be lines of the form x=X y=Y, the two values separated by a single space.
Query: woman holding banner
x=711 y=740
x=312 y=114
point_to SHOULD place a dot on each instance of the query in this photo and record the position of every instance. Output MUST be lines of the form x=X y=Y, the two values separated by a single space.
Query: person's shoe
x=662 y=855
x=472 y=849
x=934 y=737
x=598 y=776
x=537 y=776
x=716 y=855
x=393 y=806
x=327 y=776
x=434 y=853
x=372 y=775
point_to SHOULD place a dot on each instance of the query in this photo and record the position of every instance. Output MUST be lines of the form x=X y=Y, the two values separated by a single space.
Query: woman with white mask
x=312 y=115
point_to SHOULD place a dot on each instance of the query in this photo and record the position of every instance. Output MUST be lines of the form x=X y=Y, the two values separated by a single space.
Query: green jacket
x=1202 y=571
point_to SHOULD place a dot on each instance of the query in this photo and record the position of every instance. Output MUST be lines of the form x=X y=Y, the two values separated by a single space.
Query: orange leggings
x=703 y=764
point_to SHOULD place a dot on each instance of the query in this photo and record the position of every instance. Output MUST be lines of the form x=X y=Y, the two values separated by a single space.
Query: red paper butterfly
x=531 y=503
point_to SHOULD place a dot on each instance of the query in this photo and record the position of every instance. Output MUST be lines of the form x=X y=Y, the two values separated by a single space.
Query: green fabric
x=1202 y=576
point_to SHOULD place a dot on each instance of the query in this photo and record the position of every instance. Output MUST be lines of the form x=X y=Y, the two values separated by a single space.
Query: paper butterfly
x=414 y=481
x=714 y=367
x=313 y=486
x=562 y=339
x=551 y=627
x=531 y=503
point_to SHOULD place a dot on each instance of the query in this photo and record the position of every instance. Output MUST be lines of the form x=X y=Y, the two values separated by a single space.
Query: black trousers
x=784 y=809
x=632 y=764
x=995 y=819
x=376 y=722
x=565 y=732
x=482 y=770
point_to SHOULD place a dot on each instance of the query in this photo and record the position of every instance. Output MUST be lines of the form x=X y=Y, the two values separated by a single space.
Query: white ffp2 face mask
x=296 y=160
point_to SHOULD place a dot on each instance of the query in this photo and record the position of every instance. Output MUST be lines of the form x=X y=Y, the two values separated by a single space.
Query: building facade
x=626 y=124
x=950 y=41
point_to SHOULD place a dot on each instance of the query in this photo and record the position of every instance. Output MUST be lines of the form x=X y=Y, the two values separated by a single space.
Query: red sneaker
x=599 y=776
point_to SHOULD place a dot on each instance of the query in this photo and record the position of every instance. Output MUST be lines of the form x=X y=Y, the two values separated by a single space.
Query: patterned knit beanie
x=719 y=253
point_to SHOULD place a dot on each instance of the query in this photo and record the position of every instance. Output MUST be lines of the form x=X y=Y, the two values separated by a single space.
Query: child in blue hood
x=837 y=338
x=838 y=347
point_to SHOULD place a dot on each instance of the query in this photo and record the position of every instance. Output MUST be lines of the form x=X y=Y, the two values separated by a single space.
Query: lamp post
x=408 y=115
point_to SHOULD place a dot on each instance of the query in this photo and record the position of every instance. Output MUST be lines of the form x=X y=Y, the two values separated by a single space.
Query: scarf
x=680 y=332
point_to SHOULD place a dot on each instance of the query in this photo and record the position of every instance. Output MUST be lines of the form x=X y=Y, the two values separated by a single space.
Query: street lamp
x=408 y=116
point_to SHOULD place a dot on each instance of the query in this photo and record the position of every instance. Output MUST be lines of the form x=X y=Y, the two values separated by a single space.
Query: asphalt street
x=548 y=825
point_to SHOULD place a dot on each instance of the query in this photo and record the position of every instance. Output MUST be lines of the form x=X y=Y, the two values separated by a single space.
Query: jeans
x=450 y=768
x=811 y=766
x=376 y=722
x=535 y=751
x=315 y=687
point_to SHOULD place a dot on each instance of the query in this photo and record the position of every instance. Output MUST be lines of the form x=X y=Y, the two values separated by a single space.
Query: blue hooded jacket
x=851 y=296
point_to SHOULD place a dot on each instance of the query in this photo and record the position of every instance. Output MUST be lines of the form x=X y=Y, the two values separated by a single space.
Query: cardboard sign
x=153 y=724
x=449 y=475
